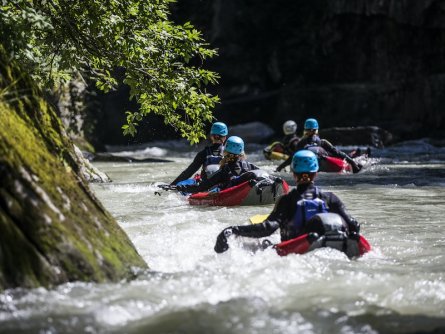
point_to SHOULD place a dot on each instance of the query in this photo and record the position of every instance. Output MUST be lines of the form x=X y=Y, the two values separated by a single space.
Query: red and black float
x=322 y=230
x=252 y=192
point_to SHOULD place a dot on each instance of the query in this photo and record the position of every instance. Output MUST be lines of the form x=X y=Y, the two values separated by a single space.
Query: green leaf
x=52 y=41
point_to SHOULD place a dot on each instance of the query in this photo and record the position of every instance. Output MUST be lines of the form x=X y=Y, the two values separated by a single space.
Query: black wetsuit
x=200 y=161
x=290 y=143
x=283 y=214
x=225 y=177
x=319 y=146
x=323 y=148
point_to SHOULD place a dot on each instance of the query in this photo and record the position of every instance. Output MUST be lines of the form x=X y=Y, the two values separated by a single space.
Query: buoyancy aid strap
x=317 y=194
x=208 y=151
x=308 y=206
x=244 y=166
x=304 y=211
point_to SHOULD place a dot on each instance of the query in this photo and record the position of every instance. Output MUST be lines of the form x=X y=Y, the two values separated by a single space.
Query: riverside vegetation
x=52 y=227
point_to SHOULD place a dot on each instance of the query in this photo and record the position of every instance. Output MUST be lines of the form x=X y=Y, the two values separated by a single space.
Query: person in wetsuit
x=288 y=214
x=233 y=166
x=289 y=141
x=321 y=147
x=209 y=157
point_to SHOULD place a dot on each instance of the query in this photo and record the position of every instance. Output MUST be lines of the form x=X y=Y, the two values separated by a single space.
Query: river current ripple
x=399 y=287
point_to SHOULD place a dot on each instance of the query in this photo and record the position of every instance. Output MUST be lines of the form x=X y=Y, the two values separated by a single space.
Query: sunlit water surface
x=399 y=287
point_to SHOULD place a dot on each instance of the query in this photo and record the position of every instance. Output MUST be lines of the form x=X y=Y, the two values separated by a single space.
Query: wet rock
x=88 y=170
x=253 y=132
x=52 y=227
x=346 y=63
x=360 y=135
x=113 y=157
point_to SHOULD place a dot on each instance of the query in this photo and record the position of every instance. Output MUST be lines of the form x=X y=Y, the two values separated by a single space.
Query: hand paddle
x=165 y=187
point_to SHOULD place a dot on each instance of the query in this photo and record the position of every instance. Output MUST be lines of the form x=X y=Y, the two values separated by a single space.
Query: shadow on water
x=414 y=163
x=397 y=323
x=242 y=315
x=251 y=316
x=390 y=175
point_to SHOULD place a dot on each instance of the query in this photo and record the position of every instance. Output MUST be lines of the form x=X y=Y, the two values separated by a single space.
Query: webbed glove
x=354 y=226
x=221 y=241
x=356 y=168
x=181 y=188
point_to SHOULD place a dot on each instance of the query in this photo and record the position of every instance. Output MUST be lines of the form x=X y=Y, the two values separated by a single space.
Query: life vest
x=211 y=163
x=311 y=141
x=308 y=206
x=238 y=168
x=313 y=144
x=236 y=172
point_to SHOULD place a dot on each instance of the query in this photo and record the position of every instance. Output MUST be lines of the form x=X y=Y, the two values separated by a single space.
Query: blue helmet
x=311 y=124
x=234 y=145
x=219 y=129
x=304 y=161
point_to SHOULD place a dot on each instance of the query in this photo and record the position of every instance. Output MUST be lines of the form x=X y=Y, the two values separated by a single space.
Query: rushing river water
x=399 y=287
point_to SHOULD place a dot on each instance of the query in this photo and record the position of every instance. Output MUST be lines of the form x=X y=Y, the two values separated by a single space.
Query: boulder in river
x=360 y=135
x=252 y=132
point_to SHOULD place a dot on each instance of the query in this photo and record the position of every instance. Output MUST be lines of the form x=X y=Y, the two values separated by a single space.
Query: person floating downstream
x=232 y=166
x=209 y=158
x=321 y=147
x=289 y=141
x=293 y=211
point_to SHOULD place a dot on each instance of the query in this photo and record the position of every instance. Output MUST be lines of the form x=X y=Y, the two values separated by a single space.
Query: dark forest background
x=344 y=62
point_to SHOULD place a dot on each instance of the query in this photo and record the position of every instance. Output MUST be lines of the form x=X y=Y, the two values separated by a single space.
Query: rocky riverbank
x=52 y=227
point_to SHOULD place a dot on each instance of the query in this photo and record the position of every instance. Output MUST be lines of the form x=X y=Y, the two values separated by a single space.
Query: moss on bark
x=52 y=228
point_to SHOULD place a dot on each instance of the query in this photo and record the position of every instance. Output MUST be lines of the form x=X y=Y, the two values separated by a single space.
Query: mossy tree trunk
x=52 y=228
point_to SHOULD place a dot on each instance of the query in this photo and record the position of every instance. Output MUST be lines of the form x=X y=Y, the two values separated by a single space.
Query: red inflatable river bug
x=246 y=193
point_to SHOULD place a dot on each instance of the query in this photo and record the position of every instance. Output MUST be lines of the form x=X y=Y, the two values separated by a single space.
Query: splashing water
x=399 y=287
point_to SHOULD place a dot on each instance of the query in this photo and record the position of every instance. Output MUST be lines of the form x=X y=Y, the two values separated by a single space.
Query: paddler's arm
x=261 y=230
x=253 y=166
x=284 y=164
x=218 y=177
x=340 y=154
x=264 y=229
x=337 y=206
x=193 y=168
x=267 y=227
x=293 y=147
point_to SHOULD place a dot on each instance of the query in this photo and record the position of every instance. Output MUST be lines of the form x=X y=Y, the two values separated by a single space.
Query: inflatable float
x=310 y=241
x=328 y=164
x=323 y=230
x=256 y=191
x=333 y=165
x=275 y=151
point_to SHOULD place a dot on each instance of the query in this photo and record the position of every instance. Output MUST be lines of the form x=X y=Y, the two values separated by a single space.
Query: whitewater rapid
x=399 y=287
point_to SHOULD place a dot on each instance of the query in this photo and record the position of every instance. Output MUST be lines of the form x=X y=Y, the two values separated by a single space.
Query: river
x=399 y=287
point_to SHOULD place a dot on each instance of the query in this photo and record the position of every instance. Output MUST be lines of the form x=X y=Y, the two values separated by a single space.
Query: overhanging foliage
x=52 y=39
